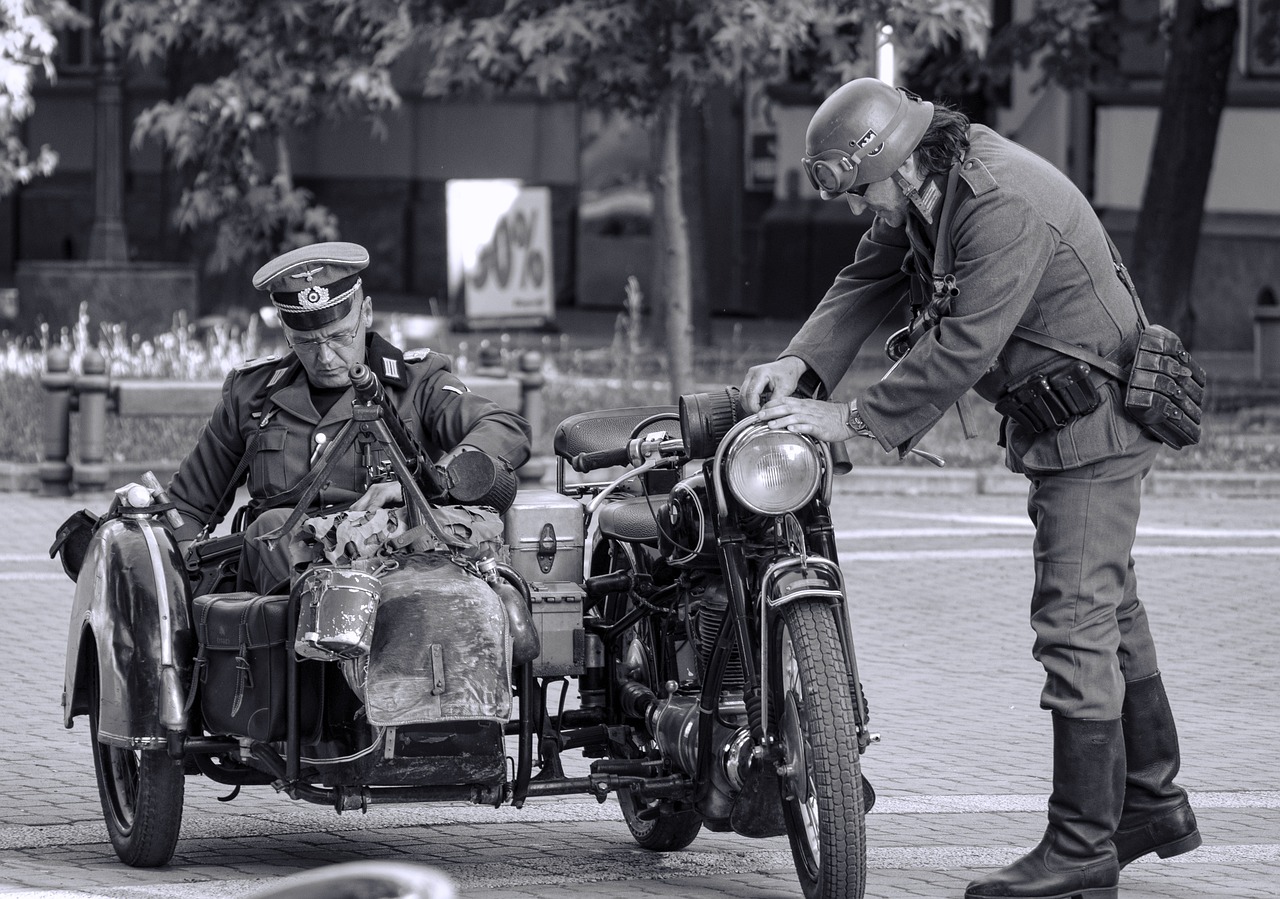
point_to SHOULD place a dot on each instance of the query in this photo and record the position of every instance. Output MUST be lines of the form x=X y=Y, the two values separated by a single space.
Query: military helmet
x=862 y=133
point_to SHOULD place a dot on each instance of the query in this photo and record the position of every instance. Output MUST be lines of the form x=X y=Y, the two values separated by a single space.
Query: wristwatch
x=855 y=423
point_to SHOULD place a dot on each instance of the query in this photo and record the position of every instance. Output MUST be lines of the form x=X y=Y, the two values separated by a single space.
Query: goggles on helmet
x=834 y=171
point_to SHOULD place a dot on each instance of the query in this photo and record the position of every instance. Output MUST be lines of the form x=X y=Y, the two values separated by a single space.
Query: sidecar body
x=130 y=635
x=211 y=683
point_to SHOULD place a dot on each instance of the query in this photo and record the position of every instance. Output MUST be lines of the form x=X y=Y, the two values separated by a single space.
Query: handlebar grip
x=584 y=462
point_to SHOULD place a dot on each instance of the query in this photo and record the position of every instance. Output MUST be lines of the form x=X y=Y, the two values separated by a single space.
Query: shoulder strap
x=942 y=251
x=1070 y=349
x=1123 y=274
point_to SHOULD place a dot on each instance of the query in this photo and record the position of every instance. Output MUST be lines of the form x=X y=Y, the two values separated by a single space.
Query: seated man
x=277 y=413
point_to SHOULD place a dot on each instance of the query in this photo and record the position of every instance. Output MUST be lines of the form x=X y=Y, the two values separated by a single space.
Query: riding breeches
x=1091 y=632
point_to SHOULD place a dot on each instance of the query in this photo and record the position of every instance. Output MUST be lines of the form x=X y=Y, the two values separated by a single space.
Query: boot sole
x=1172 y=848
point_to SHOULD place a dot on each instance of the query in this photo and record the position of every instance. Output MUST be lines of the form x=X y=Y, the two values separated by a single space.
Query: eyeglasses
x=334 y=342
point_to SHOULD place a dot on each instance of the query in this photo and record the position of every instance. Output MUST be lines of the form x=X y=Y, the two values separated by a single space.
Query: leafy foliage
x=1070 y=43
x=27 y=45
x=262 y=72
x=626 y=54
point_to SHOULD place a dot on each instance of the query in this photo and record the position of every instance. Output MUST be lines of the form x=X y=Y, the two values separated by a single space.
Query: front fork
x=787 y=580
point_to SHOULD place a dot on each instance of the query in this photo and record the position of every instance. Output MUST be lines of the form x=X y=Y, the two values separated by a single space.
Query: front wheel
x=821 y=779
x=141 y=794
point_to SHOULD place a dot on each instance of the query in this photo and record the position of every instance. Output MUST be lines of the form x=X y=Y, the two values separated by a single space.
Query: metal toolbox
x=544 y=532
x=557 y=614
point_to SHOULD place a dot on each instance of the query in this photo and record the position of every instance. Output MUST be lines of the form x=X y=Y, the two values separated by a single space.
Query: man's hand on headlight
x=777 y=378
x=817 y=418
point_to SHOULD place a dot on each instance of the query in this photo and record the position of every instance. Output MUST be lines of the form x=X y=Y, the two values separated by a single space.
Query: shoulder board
x=416 y=355
x=259 y=362
x=977 y=176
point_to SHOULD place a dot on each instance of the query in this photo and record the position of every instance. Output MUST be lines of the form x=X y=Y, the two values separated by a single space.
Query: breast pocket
x=269 y=472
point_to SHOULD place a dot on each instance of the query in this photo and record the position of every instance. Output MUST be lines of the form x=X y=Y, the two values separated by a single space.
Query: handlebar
x=585 y=462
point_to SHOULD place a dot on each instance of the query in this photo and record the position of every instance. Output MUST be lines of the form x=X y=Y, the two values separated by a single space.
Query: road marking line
x=1013 y=531
x=950 y=804
x=32 y=576
x=1023 y=524
x=925 y=555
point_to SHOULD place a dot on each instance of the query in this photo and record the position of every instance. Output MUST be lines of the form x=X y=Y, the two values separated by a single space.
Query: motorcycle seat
x=589 y=432
x=632 y=520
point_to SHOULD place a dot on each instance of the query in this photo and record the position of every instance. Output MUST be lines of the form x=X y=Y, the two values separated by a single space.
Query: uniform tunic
x=1027 y=249
x=266 y=407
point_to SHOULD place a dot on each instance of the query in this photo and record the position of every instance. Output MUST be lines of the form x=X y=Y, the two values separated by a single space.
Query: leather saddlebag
x=241 y=671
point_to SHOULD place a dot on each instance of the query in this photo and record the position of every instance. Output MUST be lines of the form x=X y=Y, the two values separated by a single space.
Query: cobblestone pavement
x=940 y=587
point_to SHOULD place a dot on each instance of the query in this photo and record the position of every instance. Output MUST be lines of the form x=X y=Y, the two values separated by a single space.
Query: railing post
x=91 y=470
x=489 y=363
x=55 y=468
x=533 y=406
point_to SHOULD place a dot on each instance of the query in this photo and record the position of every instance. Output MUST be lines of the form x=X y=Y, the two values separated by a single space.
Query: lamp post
x=107 y=239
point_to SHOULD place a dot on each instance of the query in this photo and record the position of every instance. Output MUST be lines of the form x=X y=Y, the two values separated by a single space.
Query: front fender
x=797 y=577
x=131 y=613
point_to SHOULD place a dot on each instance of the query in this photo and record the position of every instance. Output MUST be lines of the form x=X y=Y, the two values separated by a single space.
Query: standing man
x=277 y=413
x=982 y=236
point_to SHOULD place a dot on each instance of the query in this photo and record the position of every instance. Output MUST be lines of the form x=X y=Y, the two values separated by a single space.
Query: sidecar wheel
x=820 y=776
x=662 y=829
x=141 y=794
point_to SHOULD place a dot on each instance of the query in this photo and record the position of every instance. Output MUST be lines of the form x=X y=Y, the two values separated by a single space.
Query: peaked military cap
x=314 y=285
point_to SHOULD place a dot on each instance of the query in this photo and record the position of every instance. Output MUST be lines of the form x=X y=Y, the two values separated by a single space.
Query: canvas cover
x=441 y=647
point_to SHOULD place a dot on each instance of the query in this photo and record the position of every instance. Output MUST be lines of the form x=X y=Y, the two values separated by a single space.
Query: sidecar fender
x=131 y=613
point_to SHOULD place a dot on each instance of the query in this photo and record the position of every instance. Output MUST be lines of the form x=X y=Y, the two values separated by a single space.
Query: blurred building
x=773 y=246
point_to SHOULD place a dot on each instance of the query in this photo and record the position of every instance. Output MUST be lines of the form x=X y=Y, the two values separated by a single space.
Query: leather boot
x=1157 y=816
x=1075 y=859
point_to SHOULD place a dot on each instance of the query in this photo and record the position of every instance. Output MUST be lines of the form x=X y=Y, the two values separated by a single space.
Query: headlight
x=772 y=472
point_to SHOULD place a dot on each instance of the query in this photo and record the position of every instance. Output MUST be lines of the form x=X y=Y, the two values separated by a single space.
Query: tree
x=1075 y=44
x=1201 y=42
x=263 y=72
x=658 y=58
x=27 y=44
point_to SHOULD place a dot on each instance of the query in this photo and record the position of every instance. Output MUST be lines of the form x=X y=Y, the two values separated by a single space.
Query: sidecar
x=177 y=682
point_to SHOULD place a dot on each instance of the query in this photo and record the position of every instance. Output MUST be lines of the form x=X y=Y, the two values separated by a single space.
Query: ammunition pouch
x=1050 y=400
x=1166 y=388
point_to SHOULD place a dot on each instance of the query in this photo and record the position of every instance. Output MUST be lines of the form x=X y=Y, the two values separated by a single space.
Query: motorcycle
x=701 y=613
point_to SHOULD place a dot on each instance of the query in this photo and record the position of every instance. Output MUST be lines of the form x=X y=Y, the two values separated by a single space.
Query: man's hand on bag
x=817 y=418
x=772 y=379
x=380 y=495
